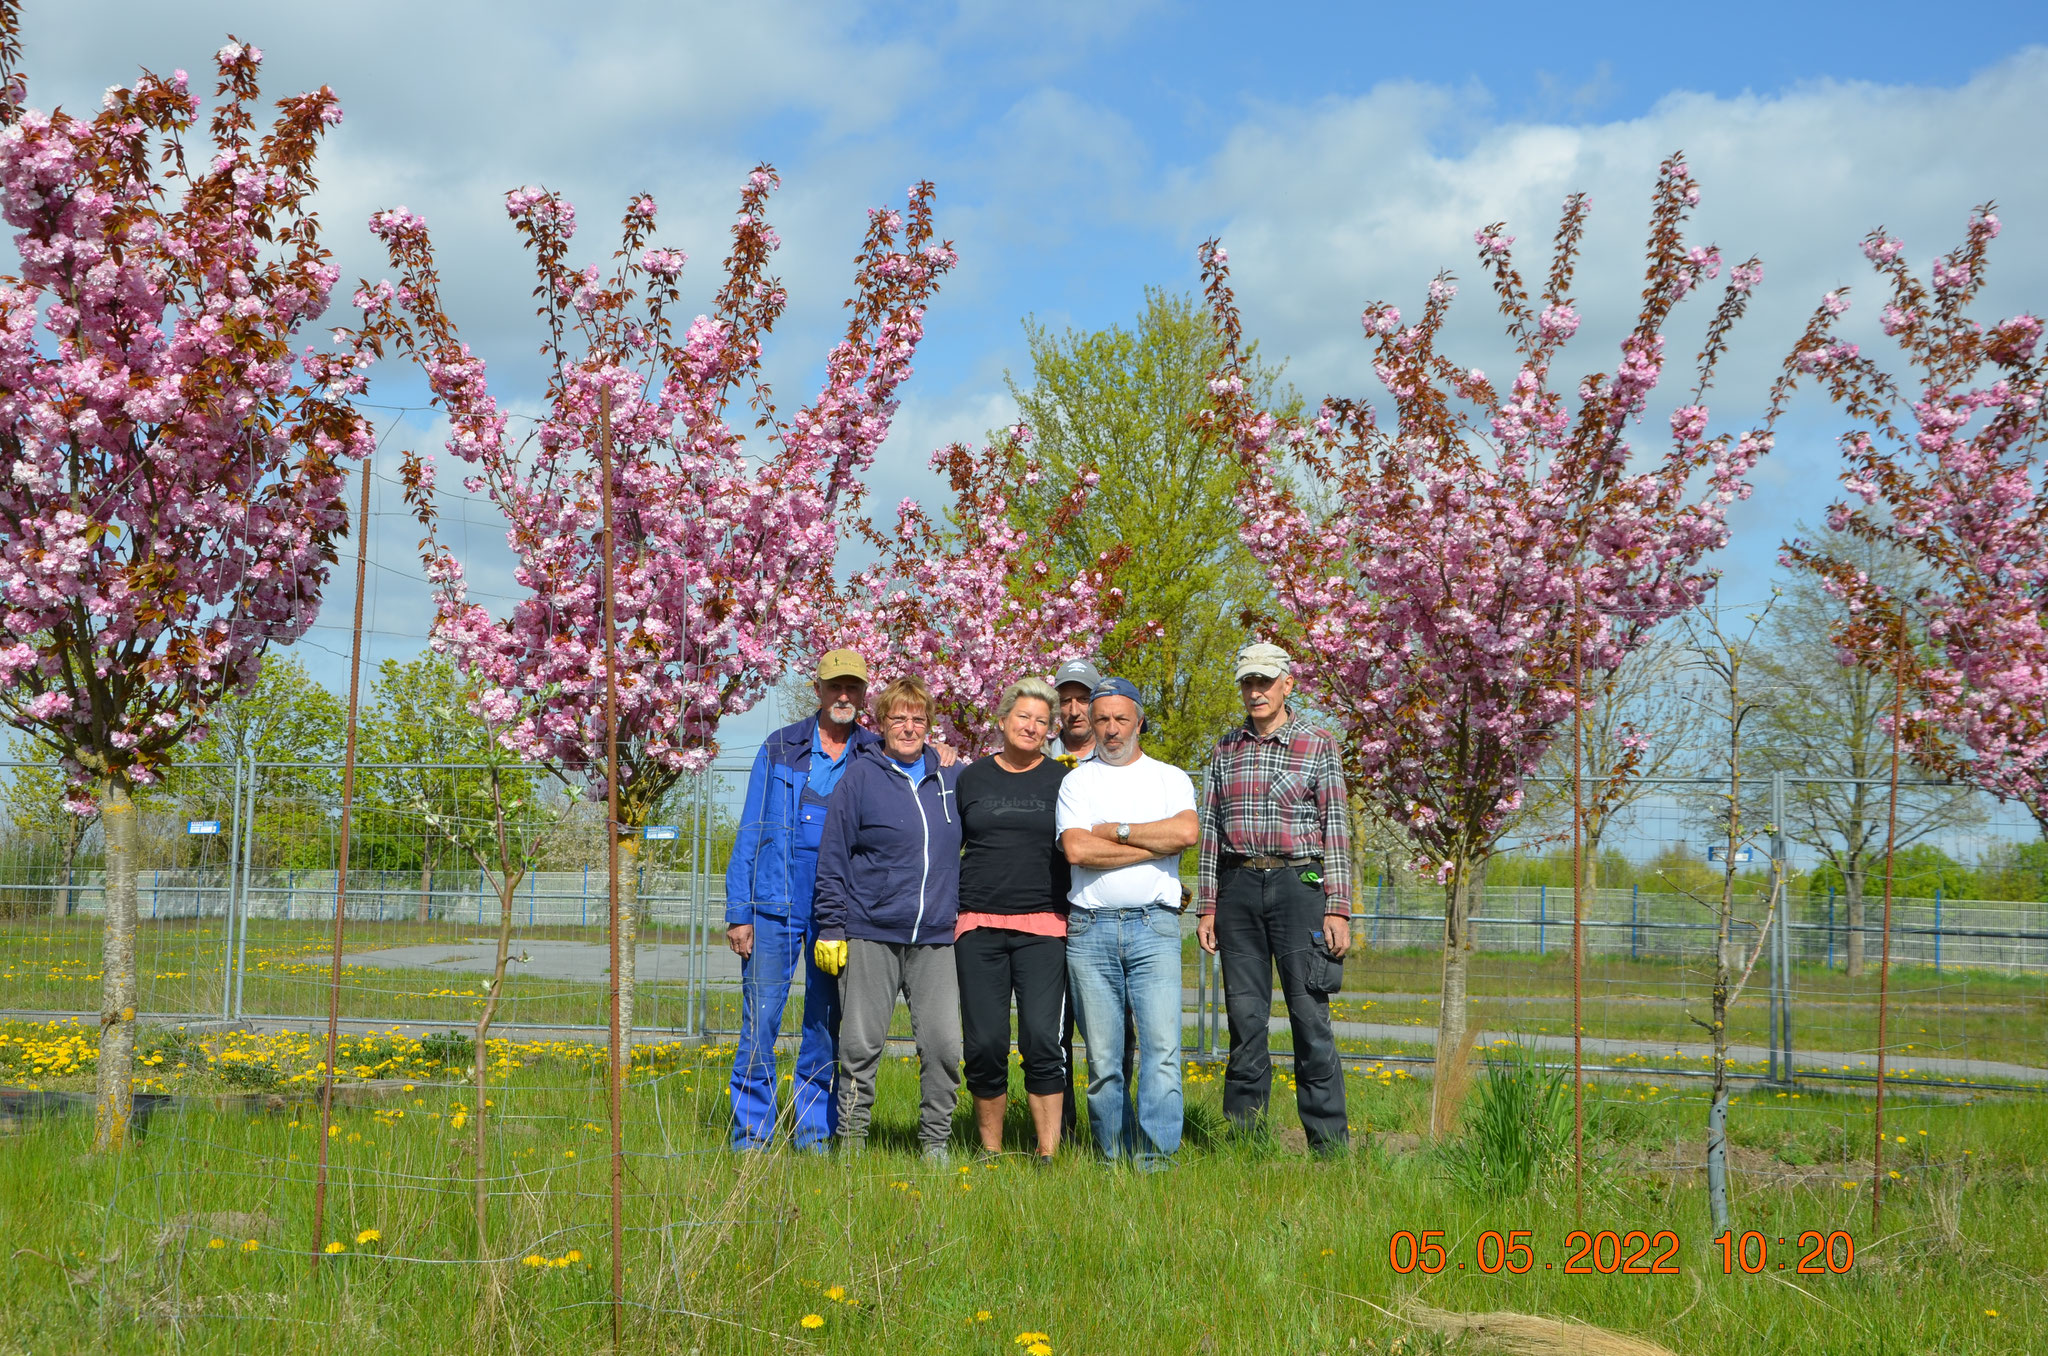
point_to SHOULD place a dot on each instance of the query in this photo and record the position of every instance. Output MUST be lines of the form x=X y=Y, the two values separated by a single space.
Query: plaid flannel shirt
x=1276 y=795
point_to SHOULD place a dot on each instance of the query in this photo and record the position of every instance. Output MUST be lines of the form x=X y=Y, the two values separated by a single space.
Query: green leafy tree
x=441 y=796
x=40 y=805
x=293 y=728
x=1119 y=400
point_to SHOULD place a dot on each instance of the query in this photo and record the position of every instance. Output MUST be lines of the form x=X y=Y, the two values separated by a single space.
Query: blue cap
x=1117 y=687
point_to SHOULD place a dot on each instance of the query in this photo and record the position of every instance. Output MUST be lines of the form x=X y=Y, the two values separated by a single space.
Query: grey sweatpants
x=876 y=972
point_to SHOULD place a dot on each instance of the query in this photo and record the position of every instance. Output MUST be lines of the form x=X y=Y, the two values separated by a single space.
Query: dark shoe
x=1041 y=1160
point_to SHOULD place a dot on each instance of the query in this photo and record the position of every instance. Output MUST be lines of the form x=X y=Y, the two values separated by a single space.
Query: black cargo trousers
x=1267 y=918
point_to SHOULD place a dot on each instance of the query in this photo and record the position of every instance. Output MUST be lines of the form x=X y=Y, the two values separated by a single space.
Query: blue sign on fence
x=202 y=827
x=1717 y=852
x=658 y=833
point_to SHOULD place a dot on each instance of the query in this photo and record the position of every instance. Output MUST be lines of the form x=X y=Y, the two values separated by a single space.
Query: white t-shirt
x=1137 y=793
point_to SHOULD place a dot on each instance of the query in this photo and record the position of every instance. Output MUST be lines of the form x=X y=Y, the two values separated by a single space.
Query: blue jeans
x=765 y=978
x=1128 y=961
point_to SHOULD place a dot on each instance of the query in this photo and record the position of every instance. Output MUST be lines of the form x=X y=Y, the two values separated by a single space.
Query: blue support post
x=586 y=894
x=532 y=885
x=1635 y=904
x=1542 y=907
x=1831 y=927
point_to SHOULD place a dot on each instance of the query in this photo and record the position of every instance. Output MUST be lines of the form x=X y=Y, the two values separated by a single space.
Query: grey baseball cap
x=1262 y=660
x=1077 y=671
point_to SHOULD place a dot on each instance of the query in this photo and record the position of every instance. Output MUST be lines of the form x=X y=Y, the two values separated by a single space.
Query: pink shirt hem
x=1045 y=924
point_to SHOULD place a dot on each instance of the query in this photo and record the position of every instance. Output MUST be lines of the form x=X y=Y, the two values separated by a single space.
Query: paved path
x=585 y=962
x=1691 y=1054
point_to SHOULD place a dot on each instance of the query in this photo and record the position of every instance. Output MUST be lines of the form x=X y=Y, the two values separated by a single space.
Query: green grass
x=1247 y=1246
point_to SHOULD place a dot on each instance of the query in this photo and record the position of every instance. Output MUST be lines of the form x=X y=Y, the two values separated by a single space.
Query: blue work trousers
x=765 y=977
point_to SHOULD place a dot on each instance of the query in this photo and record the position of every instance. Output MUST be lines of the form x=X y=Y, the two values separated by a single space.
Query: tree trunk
x=1361 y=862
x=73 y=837
x=629 y=932
x=114 y=1095
x=1852 y=893
x=426 y=880
x=1451 y=1017
x=508 y=886
x=1725 y=967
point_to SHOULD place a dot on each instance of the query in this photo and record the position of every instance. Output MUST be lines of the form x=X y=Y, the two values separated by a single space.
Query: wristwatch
x=1123 y=833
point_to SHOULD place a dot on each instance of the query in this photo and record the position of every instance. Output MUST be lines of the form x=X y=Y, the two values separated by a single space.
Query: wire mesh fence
x=496 y=1163
x=240 y=885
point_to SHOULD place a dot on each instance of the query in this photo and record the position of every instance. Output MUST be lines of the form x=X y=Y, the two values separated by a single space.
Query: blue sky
x=1083 y=150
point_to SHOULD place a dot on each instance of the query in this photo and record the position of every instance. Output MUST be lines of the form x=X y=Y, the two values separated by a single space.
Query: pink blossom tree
x=717 y=560
x=173 y=488
x=1944 y=469
x=1488 y=551
x=972 y=608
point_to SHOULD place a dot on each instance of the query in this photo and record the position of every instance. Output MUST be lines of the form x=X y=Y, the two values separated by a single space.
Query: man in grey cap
x=1273 y=889
x=1076 y=737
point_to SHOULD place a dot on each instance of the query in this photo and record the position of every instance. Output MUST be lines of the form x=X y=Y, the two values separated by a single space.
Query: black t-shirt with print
x=1010 y=860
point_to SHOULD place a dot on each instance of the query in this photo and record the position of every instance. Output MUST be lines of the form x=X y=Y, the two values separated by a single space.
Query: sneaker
x=853 y=1148
x=937 y=1156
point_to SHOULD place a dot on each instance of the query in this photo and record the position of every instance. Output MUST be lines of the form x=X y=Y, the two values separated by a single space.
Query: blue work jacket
x=775 y=855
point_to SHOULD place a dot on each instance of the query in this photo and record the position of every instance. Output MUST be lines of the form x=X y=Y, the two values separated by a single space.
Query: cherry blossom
x=173 y=491
x=1946 y=469
x=973 y=608
x=1443 y=575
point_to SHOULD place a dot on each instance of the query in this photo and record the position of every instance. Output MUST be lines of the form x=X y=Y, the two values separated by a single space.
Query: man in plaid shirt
x=1273 y=888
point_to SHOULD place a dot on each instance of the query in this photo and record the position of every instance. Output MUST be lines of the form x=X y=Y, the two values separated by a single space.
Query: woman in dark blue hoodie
x=887 y=897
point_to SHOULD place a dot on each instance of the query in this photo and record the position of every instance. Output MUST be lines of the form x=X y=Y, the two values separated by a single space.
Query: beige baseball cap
x=842 y=664
x=1262 y=660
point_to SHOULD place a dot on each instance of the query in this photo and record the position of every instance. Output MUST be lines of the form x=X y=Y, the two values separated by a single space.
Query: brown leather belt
x=1270 y=863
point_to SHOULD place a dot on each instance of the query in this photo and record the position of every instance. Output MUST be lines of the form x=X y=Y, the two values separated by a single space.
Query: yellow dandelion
x=335 y=1246
x=1991 y=1313
x=533 y=1259
x=575 y=1255
x=836 y=1293
x=369 y=1236
x=216 y=1242
x=1038 y=1349
x=814 y=1320
x=250 y=1245
x=982 y=1315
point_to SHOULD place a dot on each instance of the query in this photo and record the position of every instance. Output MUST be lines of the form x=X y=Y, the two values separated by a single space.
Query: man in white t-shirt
x=1123 y=821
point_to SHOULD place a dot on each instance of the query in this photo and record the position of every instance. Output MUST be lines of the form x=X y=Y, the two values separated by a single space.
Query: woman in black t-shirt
x=1011 y=937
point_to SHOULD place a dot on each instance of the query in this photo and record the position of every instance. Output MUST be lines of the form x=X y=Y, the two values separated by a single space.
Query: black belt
x=1232 y=860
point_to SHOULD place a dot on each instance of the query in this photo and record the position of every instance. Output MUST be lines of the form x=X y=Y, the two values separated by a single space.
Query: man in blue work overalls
x=768 y=910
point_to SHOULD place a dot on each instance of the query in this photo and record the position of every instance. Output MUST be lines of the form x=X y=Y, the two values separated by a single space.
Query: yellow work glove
x=830 y=956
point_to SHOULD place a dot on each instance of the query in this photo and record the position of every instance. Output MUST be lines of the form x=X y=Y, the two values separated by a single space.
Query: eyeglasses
x=907 y=721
